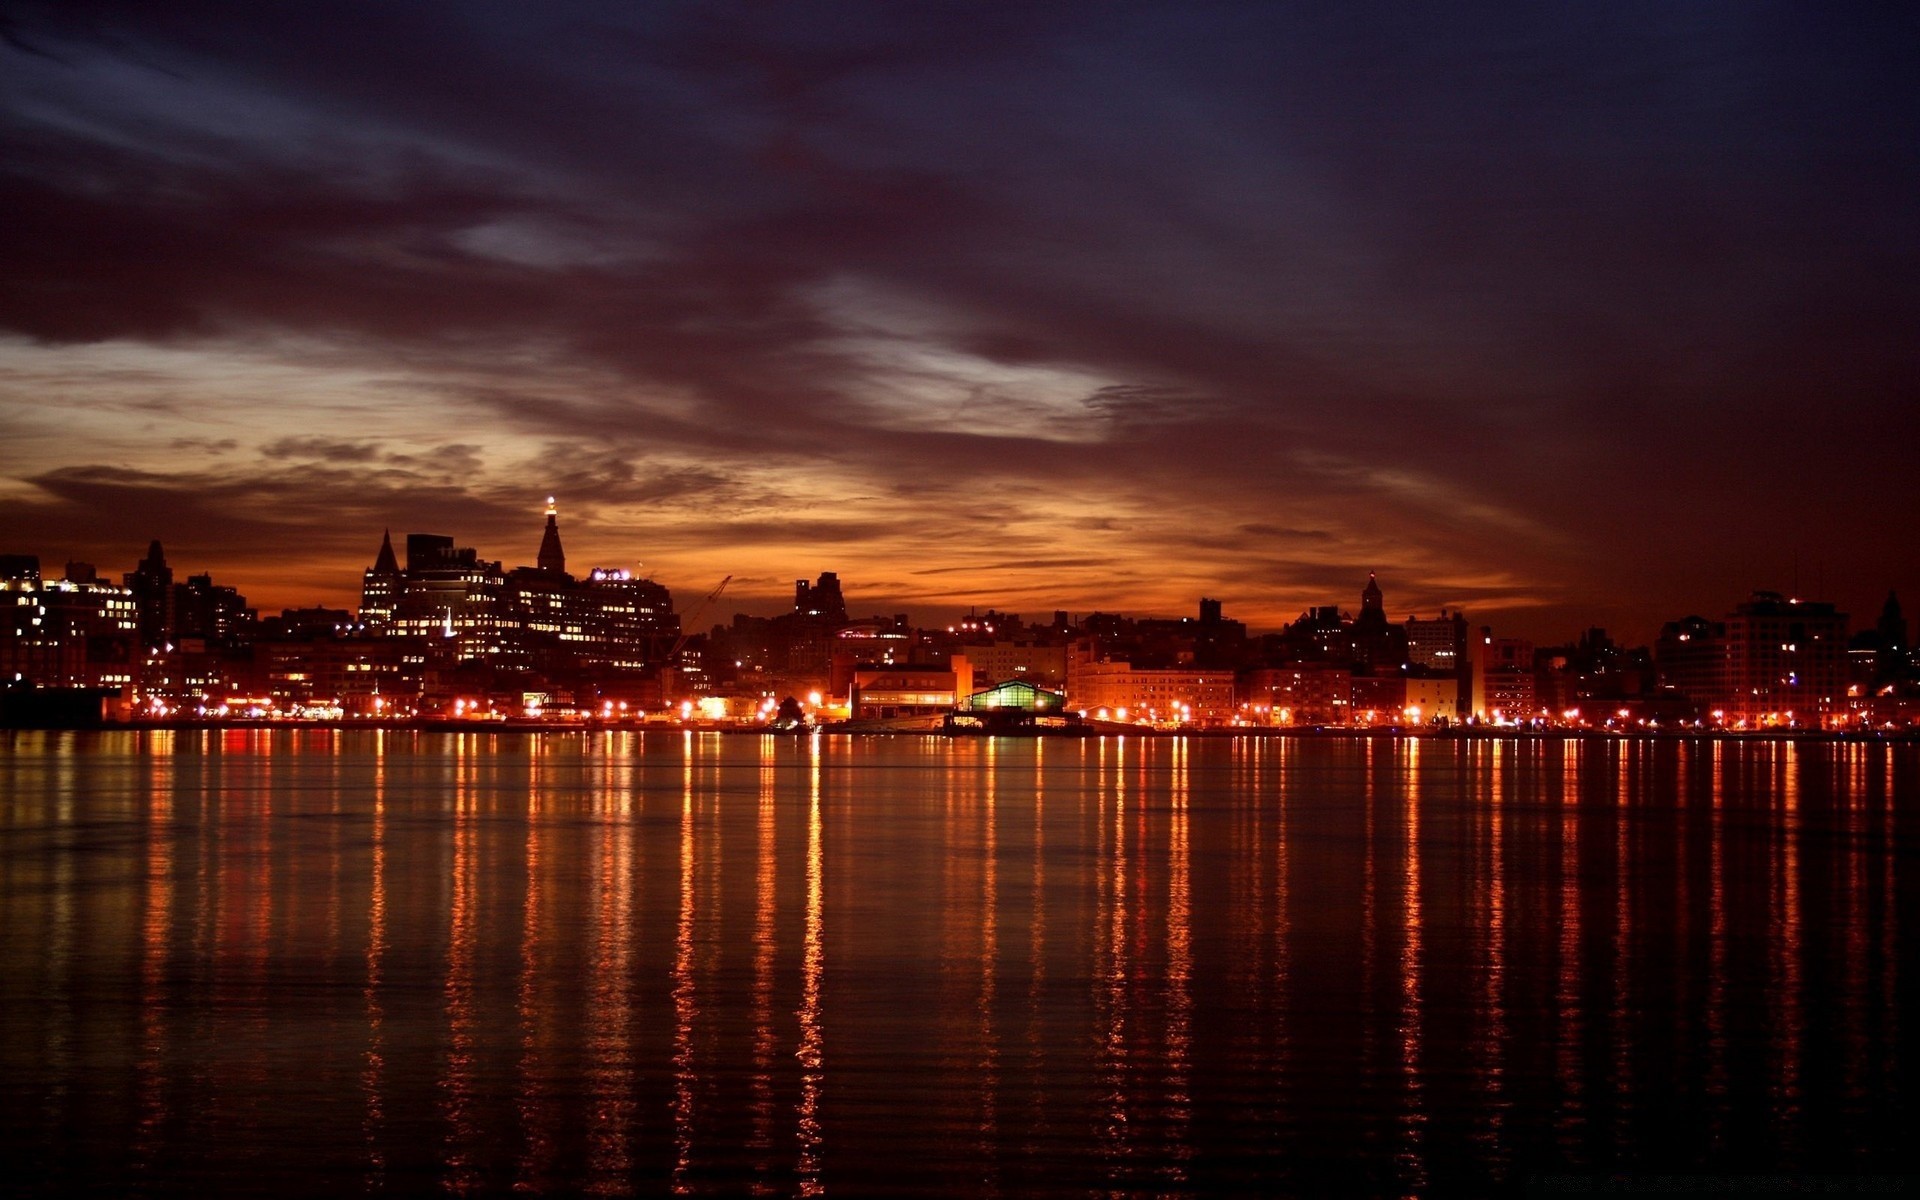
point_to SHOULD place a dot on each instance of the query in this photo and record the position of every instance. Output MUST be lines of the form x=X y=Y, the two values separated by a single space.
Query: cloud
x=325 y=449
x=1126 y=301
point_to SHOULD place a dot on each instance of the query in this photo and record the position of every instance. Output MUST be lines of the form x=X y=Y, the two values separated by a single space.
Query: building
x=1043 y=664
x=1302 y=693
x=821 y=600
x=381 y=586
x=1506 y=694
x=1377 y=700
x=364 y=674
x=1378 y=645
x=67 y=633
x=1500 y=677
x=1432 y=700
x=151 y=583
x=451 y=592
x=1184 y=695
x=211 y=613
x=1690 y=658
x=1785 y=661
x=893 y=693
x=1772 y=661
x=1016 y=706
x=1437 y=643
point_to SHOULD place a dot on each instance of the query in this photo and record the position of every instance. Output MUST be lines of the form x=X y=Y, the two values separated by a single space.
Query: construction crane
x=693 y=615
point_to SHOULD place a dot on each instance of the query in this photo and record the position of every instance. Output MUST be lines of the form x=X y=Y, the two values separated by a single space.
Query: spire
x=1371 y=597
x=552 y=557
x=385 y=564
x=155 y=559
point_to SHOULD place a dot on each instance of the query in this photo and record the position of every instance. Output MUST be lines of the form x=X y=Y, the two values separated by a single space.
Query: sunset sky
x=1567 y=314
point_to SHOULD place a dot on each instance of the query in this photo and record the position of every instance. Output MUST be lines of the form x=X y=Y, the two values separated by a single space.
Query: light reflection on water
x=320 y=963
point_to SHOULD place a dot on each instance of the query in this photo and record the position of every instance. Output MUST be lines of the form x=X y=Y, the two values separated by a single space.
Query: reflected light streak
x=1566 y=996
x=765 y=910
x=1282 y=929
x=1890 y=921
x=534 y=1103
x=1619 y=1016
x=610 y=1057
x=989 y=1066
x=812 y=963
x=1036 y=953
x=1493 y=967
x=1850 y=866
x=1369 y=931
x=155 y=943
x=1717 y=1083
x=1784 y=944
x=1179 y=970
x=683 y=986
x=374 y=1062
x=462 y=1174
x=1413 y=1114
x=1111 y=969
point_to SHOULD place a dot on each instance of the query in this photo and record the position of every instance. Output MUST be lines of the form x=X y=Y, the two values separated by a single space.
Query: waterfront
x=318 y=962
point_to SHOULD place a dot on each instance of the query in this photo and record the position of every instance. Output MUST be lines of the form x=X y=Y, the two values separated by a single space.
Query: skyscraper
x=152 y=585
x=381 y=586
x=552 y=557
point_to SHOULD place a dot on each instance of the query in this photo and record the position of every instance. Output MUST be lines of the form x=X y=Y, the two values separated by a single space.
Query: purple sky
x=1566 y=314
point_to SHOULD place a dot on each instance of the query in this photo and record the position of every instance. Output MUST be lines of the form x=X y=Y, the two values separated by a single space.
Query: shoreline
x=524 y=727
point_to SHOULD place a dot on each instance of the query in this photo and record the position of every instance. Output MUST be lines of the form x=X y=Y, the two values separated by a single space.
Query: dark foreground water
x=324 y=963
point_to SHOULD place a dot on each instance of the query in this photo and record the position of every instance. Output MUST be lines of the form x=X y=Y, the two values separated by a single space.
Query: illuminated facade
x=452 y=593
x=1182 y=695
x=67 y=633
x=1305 y=693
x=1038 y=663
x=381 y=586
x=1431 y=700
x=539 y=618
x=1437 y=643
x=893 y=693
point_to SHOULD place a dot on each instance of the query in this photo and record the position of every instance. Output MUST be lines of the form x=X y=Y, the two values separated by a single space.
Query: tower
x=381 y=585
x=552 y=557
x=1373 y=609
x=1378 y=645
x=152 y=585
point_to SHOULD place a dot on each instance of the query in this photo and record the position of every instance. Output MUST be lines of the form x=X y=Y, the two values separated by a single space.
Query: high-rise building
x=820 y=600
x=536 y=618
x=1785 y=660
x=1437 y=643
x=1690 y=657
x=632 y=620
x=552 y=557
x=1773 y=661
x=1894 y=648
x=1378 y=645
x=151 y=583
x=380 y=586
x=211 y=613
x=452 y=593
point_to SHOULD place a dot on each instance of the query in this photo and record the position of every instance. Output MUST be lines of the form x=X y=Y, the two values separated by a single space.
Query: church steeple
x=552 y=557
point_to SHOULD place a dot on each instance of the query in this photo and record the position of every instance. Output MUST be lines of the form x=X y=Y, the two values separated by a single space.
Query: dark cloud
x=326 y=449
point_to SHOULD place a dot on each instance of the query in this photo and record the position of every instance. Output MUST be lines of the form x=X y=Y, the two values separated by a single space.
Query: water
x=314 y=963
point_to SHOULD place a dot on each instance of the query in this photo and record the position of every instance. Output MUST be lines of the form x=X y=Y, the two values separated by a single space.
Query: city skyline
x=348 y=595
x=1561 y=318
